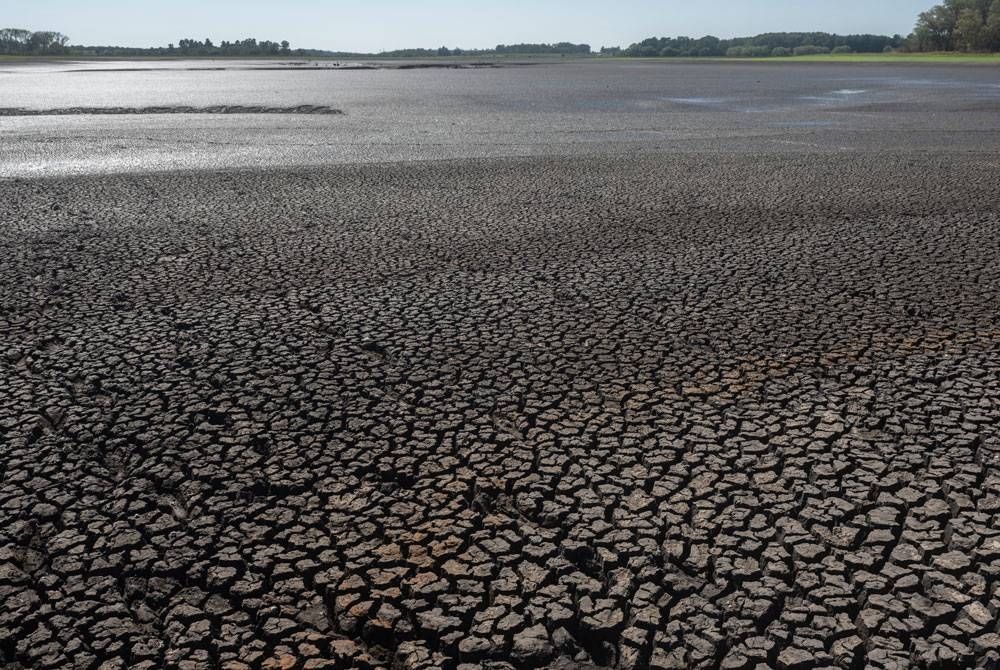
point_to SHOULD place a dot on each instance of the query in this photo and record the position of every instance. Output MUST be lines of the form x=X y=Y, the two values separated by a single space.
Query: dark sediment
x=686 y=412
x=170 y=109
x=325 y=65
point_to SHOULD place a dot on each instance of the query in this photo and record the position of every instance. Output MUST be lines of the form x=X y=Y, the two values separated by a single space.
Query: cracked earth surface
x=667 y=412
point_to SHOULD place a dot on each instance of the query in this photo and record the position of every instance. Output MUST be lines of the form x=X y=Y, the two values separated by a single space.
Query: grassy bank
x=928 y=58
x=892 y=58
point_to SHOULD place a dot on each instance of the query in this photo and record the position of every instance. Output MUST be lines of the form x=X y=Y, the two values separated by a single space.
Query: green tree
x=969 y=31
x=934 y=29
x=14 y=40
x=965 y=25
x=991 y=35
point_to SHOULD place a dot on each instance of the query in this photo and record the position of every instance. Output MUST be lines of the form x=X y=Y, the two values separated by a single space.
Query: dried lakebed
x=670 y=412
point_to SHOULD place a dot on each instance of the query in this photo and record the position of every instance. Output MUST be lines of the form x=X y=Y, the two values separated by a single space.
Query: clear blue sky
x=375 y=25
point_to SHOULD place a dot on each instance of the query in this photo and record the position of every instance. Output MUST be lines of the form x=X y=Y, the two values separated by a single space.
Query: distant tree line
x=564 y=48
x=759 y=46
x=192 y=47
x=247 y=47
x=958 y=25
x=18 y=42
x=560 y=48
x=953 y=25
x=14 y=41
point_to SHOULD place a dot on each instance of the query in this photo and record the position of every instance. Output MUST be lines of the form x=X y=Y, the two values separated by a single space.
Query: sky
x=379 y=25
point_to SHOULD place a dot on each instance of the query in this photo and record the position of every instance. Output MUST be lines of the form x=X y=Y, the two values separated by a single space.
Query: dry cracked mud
x=664 y=411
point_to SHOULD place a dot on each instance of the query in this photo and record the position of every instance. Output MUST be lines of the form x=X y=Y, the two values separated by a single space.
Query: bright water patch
x=804 y=124
x=152 y=115
x=705 y=102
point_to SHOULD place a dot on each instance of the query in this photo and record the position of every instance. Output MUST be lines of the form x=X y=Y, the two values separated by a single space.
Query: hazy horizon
x=393 y=24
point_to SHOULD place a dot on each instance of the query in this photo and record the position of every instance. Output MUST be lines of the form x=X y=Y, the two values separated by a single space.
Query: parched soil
x=665 y=411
